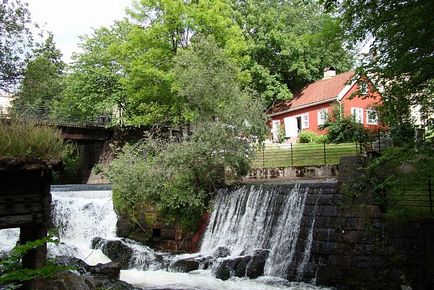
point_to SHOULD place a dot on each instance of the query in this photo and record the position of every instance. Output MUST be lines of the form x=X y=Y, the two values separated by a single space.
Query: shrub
x=307 y=137
x=26 y=140
x=177 y=179
x=343 y=129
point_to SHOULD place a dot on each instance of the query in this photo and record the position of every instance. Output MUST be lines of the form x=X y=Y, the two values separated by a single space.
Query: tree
x=15 y=39
x=402 y=51
x=93 y=85
x=42 y=81
x=162 y=29
x=178 y=179
x=289 y=43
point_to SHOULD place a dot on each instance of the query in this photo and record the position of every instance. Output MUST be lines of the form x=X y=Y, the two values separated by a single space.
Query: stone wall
x=320 y=171
x=354 y=247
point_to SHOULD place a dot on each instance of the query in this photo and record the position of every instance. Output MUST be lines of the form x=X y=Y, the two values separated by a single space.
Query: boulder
x=221 y=252
x=255 y=267
x=75 y=263
x=231 y=267
x=185 y=265
x=61 y=281
x=117 y=251
x=110 y=270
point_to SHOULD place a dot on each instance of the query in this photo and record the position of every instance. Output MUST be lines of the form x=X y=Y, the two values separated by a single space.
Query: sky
x=68 y=19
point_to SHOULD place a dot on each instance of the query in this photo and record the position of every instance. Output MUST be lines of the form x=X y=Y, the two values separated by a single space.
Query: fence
x=411 y=195
x=284 y=155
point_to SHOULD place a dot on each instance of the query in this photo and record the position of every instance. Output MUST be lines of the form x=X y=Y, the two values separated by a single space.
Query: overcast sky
x=68 y=19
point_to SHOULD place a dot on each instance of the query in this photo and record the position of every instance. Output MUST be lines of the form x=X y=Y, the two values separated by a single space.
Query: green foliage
x=42 y=82
x=289 y=44
x=26 y=140
x=342 y=129
x=400 y=174
x=402 y=55
x=307 y=137
x=178 y=179
x=11 y=271
x=94 y=84
x=16 y=39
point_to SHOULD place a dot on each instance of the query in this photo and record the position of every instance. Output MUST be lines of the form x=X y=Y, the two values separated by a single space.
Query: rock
x=233 y=266
x=123 y=227
x=221 y=252
x=62 y=281
x=77 y=264
x=117 y=251
x=95 y=242
x=110 y=270
x=185 y=265
x=118 y=285
x=239 y=265
x=255 y=267
x=222 y=271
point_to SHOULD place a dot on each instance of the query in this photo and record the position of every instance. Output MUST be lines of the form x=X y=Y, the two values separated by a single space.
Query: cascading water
x=243 y=220
x=253 y=217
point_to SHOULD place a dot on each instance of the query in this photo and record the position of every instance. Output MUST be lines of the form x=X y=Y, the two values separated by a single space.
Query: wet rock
x=62 y=281
x=222 y=271
x=110 y=270
x=75 y=263
x=231 y=267
x=95 y=242
x=221 y=252
x=185 y=265
x=255 y=267
x=118 y=285
x=123 y=227
x=117 y=251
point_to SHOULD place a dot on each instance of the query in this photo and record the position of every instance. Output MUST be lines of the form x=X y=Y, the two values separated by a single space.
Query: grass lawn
x=283 y=155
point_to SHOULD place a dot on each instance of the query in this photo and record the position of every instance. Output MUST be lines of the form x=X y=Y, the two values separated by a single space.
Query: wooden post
x=325 y=157
x=292 y=155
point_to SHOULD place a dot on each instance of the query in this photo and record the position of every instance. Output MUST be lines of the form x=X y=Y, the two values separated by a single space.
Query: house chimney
x=329 y=72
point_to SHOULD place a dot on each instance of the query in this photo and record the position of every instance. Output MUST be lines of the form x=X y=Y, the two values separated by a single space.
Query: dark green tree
x=93 y=85
x=402 y=52
x=15 y=40
x=289 y=44
x=42 y=81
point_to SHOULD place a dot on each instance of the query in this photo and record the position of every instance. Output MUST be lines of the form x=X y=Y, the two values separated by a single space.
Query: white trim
x=367 y=117
x=345 y=90
x=303 y=107
x=305 y=118
x=321 y=121
x=355 y=112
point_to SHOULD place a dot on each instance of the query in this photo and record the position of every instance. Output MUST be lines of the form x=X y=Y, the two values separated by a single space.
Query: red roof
x=317 y=92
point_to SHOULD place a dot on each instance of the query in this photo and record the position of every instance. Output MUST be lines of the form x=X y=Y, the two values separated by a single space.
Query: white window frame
x=305 y=121
x=357 y=114
x=322 y=116
x=368 y=119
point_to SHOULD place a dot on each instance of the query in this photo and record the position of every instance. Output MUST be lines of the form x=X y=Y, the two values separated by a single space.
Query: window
x=363 y=88
x=322 y=116
x=357 y=114
x=305 y=121
x=371 y=117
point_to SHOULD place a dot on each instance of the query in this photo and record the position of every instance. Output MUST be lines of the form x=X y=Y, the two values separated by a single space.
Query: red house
x=310 y=107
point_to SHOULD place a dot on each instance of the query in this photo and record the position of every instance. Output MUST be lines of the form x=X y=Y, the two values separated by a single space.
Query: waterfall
x=253 y=217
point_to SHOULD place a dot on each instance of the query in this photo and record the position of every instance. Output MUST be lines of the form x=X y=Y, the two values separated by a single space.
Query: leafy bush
x=177 y=179
x=11 y=271
x=307 y=137
x=342 y=129
x=26 y=140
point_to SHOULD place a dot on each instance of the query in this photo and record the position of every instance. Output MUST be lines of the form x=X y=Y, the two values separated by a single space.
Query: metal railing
x=285 y=155
x=417 y=194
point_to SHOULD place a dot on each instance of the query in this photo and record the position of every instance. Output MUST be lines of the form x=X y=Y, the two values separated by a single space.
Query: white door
x=291 y=129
